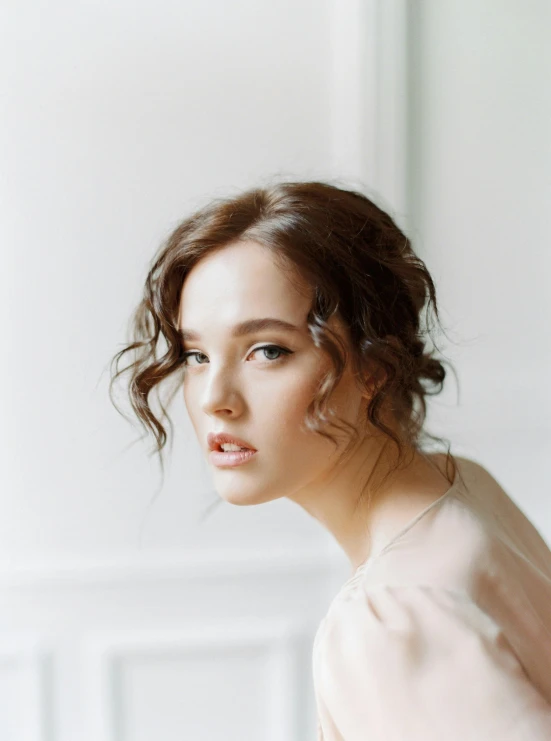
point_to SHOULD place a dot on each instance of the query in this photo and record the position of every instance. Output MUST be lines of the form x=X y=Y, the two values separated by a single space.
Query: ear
x=373 y=377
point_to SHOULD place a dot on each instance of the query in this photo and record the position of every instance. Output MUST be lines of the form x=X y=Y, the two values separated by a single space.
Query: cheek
x=287 y=413
x=280 y=411
x=345 y=402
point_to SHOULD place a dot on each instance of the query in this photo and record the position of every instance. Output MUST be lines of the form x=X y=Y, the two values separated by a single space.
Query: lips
x=215 y=440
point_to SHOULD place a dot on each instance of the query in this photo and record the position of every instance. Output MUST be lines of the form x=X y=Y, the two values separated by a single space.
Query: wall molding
x=27 y=661
x=105 y=655
x=170 y=565
x=369 y=93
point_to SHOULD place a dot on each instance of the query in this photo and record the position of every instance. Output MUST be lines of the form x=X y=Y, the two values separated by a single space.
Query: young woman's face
x=259 y=395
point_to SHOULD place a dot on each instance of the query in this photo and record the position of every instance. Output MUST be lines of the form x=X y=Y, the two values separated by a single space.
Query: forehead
x=239 y=281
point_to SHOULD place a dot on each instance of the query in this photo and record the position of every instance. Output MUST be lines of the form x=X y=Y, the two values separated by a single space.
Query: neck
x=363 y=501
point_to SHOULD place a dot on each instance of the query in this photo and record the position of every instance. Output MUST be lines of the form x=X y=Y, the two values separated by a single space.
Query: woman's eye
x=281 y=351
x=187 y=355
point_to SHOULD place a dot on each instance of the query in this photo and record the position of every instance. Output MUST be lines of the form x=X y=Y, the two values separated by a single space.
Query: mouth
x=215 y=442
x=231 y=458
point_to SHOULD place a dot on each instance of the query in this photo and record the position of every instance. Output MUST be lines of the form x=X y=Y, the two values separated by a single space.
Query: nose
x=221 y=394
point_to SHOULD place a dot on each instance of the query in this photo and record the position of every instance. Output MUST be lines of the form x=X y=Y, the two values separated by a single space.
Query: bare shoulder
x=468 y=471
x=475 y=468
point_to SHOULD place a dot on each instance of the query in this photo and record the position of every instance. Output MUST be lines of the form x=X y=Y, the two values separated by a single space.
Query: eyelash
x=282 y=350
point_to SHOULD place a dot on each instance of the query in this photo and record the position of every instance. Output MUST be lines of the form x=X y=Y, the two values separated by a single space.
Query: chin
x=244 y=496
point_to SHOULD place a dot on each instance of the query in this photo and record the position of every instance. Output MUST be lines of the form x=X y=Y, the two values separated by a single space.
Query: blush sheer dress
x=445 y=634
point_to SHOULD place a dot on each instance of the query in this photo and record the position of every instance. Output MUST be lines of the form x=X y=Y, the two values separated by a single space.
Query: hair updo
x=361 y=268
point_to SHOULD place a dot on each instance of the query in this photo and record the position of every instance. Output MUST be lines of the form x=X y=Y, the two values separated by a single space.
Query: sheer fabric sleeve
x=415 y=663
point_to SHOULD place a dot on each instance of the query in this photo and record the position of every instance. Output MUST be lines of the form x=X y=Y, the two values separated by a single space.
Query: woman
x=295 y=309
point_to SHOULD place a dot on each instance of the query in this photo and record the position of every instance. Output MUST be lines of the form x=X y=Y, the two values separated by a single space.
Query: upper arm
x=423 y=663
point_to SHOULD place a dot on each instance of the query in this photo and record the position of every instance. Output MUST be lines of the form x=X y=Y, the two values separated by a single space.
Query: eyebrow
x=247 y=327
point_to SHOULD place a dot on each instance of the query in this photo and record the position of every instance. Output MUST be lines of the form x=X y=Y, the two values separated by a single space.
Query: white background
x=128 y=619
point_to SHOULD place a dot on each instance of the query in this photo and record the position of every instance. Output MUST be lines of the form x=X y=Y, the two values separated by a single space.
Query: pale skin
x=232 y=385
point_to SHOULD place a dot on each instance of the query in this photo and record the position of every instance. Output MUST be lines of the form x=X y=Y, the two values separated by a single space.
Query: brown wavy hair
x=361 y=268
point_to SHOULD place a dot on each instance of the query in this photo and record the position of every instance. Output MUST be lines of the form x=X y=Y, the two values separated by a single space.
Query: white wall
x=480 y=187
x=116 y=120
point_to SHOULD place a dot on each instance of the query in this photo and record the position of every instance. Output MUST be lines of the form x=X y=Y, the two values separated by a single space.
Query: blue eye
x=282 y=351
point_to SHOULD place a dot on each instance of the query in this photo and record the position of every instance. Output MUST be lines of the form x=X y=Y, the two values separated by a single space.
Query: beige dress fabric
x=445 y=634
